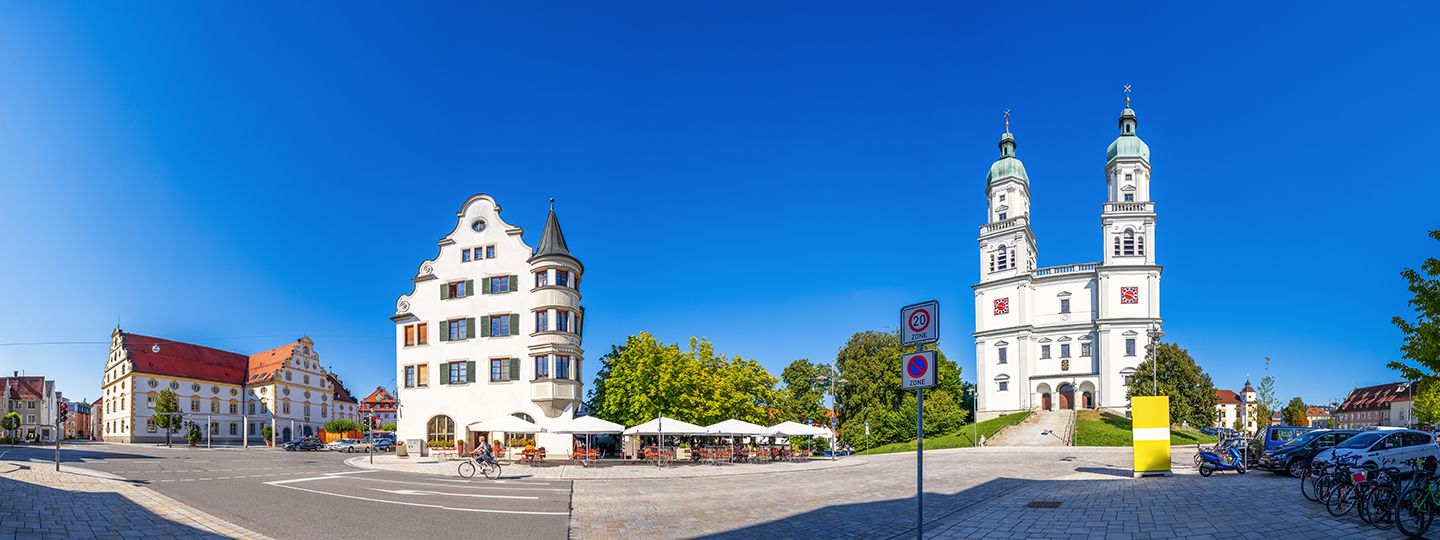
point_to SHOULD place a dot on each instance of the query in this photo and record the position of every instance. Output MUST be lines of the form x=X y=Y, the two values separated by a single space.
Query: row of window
x=501 y=369
x=491 y=326
x=1129 y=244
x=1002 y=355
x=475 y=254
x=504 y=284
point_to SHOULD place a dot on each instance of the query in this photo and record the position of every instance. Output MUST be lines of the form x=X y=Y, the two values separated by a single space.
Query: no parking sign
x=917 y=370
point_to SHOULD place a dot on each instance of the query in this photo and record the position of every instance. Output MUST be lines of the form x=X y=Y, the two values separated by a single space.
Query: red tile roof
x=341 y=394
x=25 y=388
x=264 y=365
x=1226 y=397
x=177 y=359
x=379 y=395
x=1315 y=411
x=1376 y=397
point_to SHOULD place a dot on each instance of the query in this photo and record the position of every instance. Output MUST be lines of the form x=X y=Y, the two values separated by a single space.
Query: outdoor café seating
x=533 y=456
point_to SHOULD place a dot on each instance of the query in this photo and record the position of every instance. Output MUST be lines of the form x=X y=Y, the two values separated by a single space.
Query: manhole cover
x=1043 y=504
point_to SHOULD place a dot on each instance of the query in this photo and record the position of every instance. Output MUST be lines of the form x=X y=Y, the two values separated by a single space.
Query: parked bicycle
x=1415 y=511
x=487 y=465
x=1349 y=481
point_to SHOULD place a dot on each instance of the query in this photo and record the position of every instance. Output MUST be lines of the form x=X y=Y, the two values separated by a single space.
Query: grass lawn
x=959 y=439
x=1095 y=428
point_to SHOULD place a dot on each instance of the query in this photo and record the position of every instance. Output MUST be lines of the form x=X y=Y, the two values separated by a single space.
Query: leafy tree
x=1191 y=391
x=168 y=403
x=194 y=434
x=340 y=425
x=1238 y=425
x=1265 y=395
x=389 y=427
x=602 y=375
x=870 y=361
x=1330 y=423
x=1295 y=413
x=803 y=397
x=266 y=432
x=1427 y=402
x=646 y=377
x=9 y=423
x=1421 y=351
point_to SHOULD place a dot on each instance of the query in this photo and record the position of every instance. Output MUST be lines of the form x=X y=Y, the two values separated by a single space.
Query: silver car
x=1385 y=448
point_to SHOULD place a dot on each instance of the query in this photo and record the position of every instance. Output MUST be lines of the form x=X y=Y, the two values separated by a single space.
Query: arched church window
x=992 y=262
x=1129 y=243
x=1002 y=257
x=1117 y=246
x=1140 y=245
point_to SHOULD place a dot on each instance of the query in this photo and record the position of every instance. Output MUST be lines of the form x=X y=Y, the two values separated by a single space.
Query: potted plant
x=194 y=435
x=265 y=433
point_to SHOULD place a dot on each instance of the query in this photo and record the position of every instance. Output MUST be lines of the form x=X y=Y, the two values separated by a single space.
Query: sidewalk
x=84 y=504
x=607 y=470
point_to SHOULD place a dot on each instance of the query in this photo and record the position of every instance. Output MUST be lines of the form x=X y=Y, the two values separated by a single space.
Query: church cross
x=1127 y=95
x=1007 y=120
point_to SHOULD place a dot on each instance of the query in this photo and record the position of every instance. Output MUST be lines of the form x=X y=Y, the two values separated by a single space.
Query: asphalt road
x=315 y=495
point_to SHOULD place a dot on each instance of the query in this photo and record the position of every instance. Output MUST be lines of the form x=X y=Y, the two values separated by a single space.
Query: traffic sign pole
x=919 y=459
x=919 y=324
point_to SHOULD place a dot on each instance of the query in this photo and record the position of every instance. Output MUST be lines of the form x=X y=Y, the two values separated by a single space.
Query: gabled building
x=1317 y=416
x=1380 y=405
x=381 y=407
x=36 y=401
x=490 y=328
x=231 y=396
x=1230 y=406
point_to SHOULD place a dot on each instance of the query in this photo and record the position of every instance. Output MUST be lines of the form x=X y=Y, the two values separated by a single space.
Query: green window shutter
x=469 y=287
x=514 y=283
x=515 y=324
x=514 y=369
x=470 y=371
x=444 y=291
x=469 y=328
x=485 y=326
x=444 y=330
x=444 y=373
x=485 y=285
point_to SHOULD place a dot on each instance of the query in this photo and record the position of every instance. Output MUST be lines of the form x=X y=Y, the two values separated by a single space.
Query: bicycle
x=1330 y=476
x=1345 y=493
x=489 y=467
x=1415 y=511
x=1375 y=495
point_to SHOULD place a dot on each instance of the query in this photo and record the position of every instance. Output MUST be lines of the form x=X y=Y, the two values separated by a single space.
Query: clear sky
x=771 y=177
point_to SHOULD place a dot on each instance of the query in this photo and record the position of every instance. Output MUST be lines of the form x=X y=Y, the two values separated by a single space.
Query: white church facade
x=1065 y=337
x=492 y=328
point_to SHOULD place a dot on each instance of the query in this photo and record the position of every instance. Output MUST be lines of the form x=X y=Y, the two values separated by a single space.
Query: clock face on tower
x=1129 y=295
x=1002 y=306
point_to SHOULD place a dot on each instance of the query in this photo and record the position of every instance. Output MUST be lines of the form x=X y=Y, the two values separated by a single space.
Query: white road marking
x=473 y=485
x=426 y=505
x=418 y=492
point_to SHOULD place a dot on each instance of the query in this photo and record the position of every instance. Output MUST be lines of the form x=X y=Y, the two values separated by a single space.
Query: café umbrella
x=587 y=426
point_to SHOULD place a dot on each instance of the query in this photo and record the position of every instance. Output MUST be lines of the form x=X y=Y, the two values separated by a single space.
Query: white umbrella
x=796 y=429
x=740 y=427
x=507 y=424
x=588 y=425
x=670 y=426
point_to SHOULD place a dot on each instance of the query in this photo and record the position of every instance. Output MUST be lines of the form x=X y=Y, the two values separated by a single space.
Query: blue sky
x=773 y=178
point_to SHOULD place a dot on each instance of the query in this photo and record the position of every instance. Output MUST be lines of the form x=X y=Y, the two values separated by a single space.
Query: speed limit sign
x=920 y=323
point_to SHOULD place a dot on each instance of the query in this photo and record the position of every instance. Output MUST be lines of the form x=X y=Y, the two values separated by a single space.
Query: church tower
x=1129 y=214
x=1007 y=244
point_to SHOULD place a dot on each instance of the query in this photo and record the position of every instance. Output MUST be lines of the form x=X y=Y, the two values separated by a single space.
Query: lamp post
x=834 y=407
x=1155 y=334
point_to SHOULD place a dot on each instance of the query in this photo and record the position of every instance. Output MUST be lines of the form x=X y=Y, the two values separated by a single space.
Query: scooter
x=1231 y=461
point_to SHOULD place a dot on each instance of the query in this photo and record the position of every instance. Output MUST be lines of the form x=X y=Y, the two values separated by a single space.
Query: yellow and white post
x=1151 y=426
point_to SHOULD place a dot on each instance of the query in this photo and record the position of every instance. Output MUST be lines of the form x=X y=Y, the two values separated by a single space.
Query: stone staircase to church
x=1041 y=428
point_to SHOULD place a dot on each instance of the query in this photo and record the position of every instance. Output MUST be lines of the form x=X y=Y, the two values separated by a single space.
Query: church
x=1070 y=336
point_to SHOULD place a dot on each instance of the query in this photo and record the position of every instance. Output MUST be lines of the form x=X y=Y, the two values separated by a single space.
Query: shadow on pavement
x=33 y=510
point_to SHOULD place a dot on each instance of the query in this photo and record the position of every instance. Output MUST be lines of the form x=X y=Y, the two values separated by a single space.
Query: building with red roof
x=231 y=397
x=1380 y=405
x=1231 y=405
x=381 y=407
x=35 y=400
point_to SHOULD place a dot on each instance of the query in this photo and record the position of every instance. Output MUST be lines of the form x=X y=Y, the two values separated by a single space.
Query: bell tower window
x=1003 y=261
x=1129 y=197
x=1117 y=246
x=1129 y=243
x=1140 y=245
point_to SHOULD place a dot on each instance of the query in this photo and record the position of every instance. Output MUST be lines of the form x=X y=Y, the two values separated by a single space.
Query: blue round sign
x=917 y=366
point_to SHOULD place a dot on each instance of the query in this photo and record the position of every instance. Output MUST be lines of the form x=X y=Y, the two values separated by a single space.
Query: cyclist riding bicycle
x=483 y=452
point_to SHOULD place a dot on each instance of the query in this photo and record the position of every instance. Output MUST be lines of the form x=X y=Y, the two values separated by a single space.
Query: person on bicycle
x=483 y=452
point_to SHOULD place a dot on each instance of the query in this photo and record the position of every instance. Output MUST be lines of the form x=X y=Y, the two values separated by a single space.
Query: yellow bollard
x=1151 y=416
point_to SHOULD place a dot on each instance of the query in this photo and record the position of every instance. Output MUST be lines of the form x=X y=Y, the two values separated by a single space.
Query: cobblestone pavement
x=613 y=470
x=970 y=493
x=1041 y=428
x=74 y=503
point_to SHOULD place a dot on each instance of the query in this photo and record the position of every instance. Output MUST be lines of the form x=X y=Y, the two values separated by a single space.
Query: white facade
x=491 y=328
x=1065 y=336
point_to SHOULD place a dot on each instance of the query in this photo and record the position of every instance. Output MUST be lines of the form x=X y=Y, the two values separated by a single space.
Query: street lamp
x=1155 y=334
x=834 y=406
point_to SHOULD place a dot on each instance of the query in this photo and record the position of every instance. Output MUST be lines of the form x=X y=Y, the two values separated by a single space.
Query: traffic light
x=64 y=411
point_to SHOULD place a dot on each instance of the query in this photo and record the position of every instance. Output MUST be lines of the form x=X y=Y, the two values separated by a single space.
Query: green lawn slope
x=960 y=439
x=1095 y=428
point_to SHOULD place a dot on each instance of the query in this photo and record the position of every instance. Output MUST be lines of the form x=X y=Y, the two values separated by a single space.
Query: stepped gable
x=179 y=359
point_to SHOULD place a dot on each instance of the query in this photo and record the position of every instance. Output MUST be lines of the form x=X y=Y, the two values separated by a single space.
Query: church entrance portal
x=1087 y=401
x=1067 y=397
x=1045 y=401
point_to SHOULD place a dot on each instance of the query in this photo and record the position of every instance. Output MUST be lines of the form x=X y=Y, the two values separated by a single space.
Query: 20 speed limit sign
x=920 y=323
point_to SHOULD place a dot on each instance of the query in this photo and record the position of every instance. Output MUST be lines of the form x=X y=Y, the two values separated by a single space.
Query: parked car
x=384 y=445
x=1276 y=436
x=307 y=443
x=358 y=446
x=1210 y=431
x=1294 y=457
x=341 y=444
x=1384 y=448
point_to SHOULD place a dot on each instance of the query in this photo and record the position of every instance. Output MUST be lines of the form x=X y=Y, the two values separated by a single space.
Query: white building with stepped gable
x=1065 y=337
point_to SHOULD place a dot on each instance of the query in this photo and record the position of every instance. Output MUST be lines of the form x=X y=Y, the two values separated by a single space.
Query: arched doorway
x=1067 y=396
x=1045 y=401
x=1087 y=400
x=285 y=435
x=309 y=432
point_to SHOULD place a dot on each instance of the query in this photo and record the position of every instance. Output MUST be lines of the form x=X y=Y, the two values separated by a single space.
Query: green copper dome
x=1127 y=144
x=1007 y=165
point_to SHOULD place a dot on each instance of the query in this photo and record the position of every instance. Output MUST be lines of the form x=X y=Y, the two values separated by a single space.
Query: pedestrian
x=982 y=440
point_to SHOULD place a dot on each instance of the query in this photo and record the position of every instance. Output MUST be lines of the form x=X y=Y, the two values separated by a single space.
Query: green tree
x=266 y=433
x=645 y=378
x=194 y=434
x=1330 y=423
x=870 y=361
x=168 y=403
x=1295 y=413
x=9 y=423
x=803 y=397
x=1191 y=391
x=1427 y=402
x=340 y=426
x=1265 y=395
x=1421 y=349
x=389 y=427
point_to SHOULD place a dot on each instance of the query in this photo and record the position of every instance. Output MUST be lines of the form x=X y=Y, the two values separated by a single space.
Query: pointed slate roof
x=552 y=241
